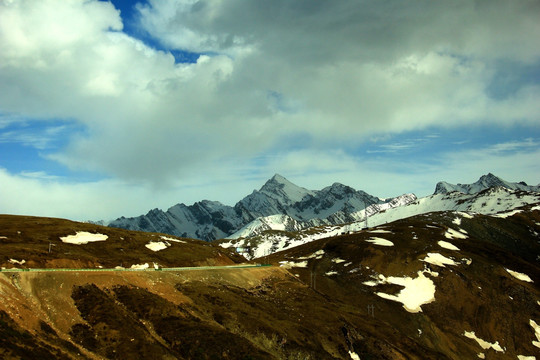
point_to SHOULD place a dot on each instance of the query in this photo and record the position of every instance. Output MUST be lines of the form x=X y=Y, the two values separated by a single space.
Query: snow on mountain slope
x=286 y=223
x=488 y=202
x=210 y=220
x=485 y=182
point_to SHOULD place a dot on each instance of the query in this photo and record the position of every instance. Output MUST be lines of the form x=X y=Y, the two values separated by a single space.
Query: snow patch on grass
x=140 y=266
x=447 y=245
x=536 y=328
x=523 y=357
x=507 y=214
x=353 y=355
x=330 y=273
x=316 y=255
x=457 y=221
x=19 y=262
x=380 y=241
x=483 y=343
x=157 y=245
x=438 y=259
x=83 y=237
x=453 y=234
x=380 y=231
x=519 y=276
x=291 y=264
x=338 y=260
x=416 y=292
x=175 y=240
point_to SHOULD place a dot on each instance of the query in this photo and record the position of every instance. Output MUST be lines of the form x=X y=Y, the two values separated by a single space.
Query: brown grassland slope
x=322 y=300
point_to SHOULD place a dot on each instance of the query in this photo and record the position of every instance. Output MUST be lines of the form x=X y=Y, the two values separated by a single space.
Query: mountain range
x=281 y=205
x=210 y=220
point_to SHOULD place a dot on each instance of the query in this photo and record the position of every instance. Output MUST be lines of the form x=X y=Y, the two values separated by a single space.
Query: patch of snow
x=481 y=355
x=316 y=255
x=483 y=343
x=172 y=239
x=380 y=241
x=380 y=231
x=519 y=276
x=330 y=273
x=370 y=282
x=140 y=266
x=83 y=237
x=536 y=328
x=157 y=246
x=3 y=237
x=467 y=261
x=453 y=234
x=20 y=262
x=419 y=332
x=507 y=214
x=457 y=221
x=523 y=357
x=291 y=264
x=416 y=292
x=338 y=260
x=347 y=264
x=431 y=272
x=353 y=355
x=447 y=245
x=438 y=259
x=464 y=214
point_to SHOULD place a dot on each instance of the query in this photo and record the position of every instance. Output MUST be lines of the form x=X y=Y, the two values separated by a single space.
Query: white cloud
x=334 y=73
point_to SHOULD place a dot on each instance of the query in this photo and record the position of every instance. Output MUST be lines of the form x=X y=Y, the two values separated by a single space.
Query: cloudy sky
x=114 y=108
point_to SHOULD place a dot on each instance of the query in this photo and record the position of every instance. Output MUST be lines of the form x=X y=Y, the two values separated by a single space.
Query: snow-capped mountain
x=210 y=220
x=287 y=223
x=495 y=201
x=485 y=182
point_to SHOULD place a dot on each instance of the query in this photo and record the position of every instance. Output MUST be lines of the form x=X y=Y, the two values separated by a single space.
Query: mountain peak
x=279 y=185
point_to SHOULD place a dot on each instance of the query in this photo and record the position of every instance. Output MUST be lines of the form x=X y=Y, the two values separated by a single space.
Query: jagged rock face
x=485 y=182
x=210 y=220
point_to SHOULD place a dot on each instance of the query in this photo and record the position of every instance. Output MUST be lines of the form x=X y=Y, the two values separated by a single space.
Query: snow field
x=83 y=237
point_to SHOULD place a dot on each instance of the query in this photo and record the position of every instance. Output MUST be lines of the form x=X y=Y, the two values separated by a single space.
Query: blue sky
x=115 y=108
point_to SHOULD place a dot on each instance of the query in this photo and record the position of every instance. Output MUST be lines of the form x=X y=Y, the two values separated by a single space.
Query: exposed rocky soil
x=321 y=300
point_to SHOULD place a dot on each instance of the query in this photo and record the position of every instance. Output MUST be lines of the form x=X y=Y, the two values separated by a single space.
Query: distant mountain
x=210 y=220
x=485 y=182
x=267 y=236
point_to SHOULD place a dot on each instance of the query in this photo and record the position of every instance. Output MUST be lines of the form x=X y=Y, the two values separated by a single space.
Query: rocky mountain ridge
x=485 y=182
x=210 y=220
x=272 y=237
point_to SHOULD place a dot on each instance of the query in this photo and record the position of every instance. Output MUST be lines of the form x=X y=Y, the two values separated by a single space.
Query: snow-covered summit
x=280 y=188
x=485 y=182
